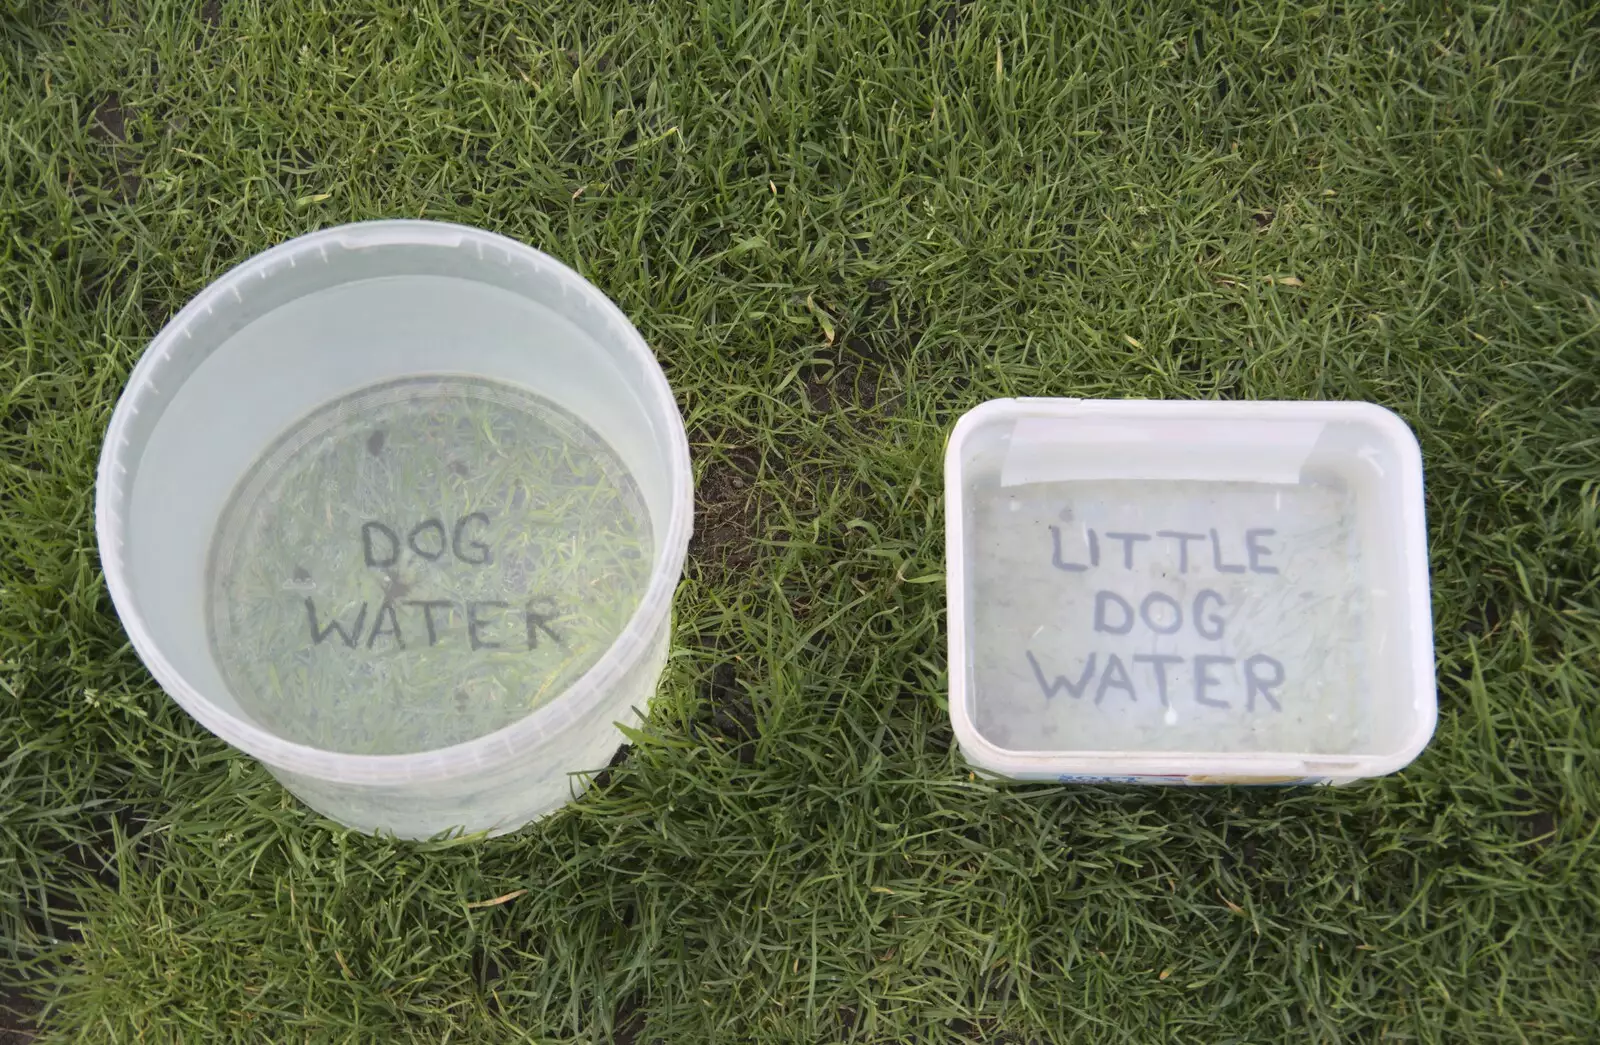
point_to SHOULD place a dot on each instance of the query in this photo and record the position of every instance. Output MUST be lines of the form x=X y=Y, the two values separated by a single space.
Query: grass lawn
x=840 y=226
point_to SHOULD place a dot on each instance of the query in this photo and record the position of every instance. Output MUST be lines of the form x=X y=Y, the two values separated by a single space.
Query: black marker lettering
x=428 y=606
x=480 y=550
x=320 y=634
x=1216 y=556
x=1101 y=601
x=1183 y=540
x=369 y=553
x=536 y=621
x=1094 y=548
x=1265 y=683
x=474 y=623
x=1257 y=551
x=1128 y=540
x=1203 y=679
x=1055 y=552
x=417 y=531
x=1174 y=611
x=1121 y=681
x=1201 y=620
x=1050 y=689
x=386 y=613
x=1159 y=662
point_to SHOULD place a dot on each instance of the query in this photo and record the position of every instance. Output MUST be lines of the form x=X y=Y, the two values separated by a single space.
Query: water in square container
x=1187 y=592
x=1178 y=632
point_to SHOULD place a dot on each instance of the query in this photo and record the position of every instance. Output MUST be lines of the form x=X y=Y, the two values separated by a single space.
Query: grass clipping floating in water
x=421 y=563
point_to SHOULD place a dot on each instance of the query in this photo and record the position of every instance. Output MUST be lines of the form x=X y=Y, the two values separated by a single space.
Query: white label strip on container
x=1059 y=449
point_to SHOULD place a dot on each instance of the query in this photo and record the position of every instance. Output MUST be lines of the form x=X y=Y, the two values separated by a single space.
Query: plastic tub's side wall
x=541 y=780
x=1416 y=606
x=957 y=616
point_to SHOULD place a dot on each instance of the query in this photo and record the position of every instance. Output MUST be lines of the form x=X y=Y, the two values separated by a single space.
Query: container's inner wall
x=1358 y=456
x=1175 y=615
x=312 y=348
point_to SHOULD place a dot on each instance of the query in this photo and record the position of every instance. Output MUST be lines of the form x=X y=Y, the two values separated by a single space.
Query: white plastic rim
x=148 y=385
x=1252 y=425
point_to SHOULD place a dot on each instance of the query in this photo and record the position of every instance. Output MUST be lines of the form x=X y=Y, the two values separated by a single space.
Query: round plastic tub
x=398 y=508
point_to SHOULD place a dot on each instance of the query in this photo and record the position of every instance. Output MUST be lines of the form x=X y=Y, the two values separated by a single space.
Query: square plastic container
x=398 y=508
x=1187 y=592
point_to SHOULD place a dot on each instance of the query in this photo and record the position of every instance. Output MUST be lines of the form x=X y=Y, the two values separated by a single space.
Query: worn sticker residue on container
x=1060 y=449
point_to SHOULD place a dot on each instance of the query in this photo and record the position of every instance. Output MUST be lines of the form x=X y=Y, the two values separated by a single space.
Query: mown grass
x=839 y=226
